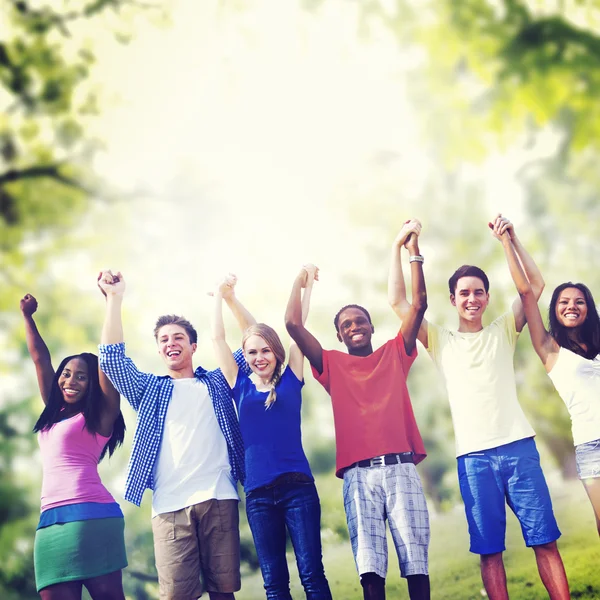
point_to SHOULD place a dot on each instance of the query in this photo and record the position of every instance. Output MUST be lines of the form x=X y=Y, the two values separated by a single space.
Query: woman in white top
x=570 y=352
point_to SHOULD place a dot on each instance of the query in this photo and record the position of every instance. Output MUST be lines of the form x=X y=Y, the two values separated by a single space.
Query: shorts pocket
x=163 y=526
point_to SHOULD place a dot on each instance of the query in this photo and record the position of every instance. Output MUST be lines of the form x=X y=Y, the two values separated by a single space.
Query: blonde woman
x=280 y=489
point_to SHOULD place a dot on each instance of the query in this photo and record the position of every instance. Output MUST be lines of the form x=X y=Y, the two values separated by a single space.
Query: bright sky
x=244 y=136
x=252 y=131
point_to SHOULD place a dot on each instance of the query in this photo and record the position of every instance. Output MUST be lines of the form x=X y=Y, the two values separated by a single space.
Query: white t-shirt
x=480 y=379
x=192 y=464
x=577 y=381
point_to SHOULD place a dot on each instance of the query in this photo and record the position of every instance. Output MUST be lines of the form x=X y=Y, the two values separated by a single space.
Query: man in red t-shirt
x=377 y=439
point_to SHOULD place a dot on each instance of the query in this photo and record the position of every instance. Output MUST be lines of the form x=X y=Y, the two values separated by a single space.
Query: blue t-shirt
x=272 y=438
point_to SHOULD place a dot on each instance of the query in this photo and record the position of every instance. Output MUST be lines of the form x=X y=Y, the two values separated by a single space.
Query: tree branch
x=50 y=171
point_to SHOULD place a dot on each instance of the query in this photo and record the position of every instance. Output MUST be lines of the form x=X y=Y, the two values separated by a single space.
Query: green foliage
x=504 y=67
x=47 y=103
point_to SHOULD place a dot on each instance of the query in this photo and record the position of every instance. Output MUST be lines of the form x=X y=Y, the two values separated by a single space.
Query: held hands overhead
x=408 y=234
x=500 y=226
x=308 y=274
x=225 y=287
x=114 y=283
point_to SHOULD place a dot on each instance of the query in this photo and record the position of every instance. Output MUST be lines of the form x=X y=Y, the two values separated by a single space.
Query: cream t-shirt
x=480 y=379
x=577 y=381
x=193 y=463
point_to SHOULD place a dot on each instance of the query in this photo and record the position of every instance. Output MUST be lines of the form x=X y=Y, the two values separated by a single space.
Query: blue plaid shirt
x=149 y=395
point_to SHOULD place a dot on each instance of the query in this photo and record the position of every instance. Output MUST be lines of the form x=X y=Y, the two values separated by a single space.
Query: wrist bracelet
x=416 y=258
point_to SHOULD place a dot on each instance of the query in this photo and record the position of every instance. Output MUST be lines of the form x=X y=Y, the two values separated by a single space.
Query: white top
x=577 y=381
x=192 y=464
x=480 y=378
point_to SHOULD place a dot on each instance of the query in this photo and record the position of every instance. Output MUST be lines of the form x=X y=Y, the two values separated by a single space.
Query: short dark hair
x=468 y=271
x=336 y=320
x=176 y=320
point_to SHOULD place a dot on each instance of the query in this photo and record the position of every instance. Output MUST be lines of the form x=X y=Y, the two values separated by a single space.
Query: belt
x=385 y=459
x=288 y=478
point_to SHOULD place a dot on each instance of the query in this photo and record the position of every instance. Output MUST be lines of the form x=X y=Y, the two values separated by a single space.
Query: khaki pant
x=199 y=542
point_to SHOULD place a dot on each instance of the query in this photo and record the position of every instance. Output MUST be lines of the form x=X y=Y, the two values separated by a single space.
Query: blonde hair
x=272 y=339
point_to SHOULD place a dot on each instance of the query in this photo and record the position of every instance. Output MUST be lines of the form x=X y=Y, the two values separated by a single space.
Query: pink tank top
x=70 y=464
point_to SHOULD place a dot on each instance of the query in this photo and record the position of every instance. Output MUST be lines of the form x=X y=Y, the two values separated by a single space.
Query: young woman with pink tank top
x=80 y=537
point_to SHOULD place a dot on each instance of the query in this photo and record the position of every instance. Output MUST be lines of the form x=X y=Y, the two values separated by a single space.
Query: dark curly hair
x=336 y=319
x=91 y=404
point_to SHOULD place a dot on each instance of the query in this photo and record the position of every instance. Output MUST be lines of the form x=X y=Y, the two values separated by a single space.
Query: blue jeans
x=295 y=506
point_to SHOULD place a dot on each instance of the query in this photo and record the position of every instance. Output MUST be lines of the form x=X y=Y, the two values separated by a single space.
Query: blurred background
x=179 y=140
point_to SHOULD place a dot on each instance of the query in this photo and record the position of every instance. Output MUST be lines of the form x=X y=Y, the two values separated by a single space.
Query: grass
x=454 y=570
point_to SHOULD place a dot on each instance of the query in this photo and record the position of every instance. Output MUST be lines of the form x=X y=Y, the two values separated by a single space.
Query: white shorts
x=392 y=492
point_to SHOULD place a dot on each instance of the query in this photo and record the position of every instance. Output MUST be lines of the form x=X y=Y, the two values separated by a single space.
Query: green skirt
x=78 y=550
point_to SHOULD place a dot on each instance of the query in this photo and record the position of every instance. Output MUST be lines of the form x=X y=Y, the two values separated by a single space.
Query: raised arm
x=225 y=359
x=240 y=312
x=499 y=226
x=543 y=343
x=37 y=347
x=407 y=237
x=112 y=329
x=295 y=317
x=296 y=361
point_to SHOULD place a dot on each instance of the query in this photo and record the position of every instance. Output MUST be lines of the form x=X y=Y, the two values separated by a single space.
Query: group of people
x=199 y=432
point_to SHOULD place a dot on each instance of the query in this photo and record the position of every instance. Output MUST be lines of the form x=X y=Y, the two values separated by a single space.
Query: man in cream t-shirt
x=497 y=458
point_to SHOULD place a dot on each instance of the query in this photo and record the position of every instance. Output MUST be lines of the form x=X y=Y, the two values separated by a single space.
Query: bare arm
x=296 y=361
x=414 y=317
x=37 y=347
x=113 y=288
x=499 y=227
x=222 y=350
x=307 y=343
x=397 y=288
x=543 y=343
x=243 y=317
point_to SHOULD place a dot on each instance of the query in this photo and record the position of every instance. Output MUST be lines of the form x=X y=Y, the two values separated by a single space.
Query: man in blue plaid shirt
x=187 y=448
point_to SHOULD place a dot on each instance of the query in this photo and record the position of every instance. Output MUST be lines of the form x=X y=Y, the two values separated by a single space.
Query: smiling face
x=260 y=357
x=355 y=331
x=74 y=380
x=175 y=348
x=571 y=307
x=470 y=300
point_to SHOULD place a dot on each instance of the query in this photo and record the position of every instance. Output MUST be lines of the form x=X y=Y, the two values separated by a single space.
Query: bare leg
x=552 y=571
x=494 y=576
x=373 y=586
x=106 y=587
x=70 y=590
x=418 y=587
x=592 y=487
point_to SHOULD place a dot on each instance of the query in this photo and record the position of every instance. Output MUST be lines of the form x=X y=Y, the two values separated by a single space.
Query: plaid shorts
x=392 y=492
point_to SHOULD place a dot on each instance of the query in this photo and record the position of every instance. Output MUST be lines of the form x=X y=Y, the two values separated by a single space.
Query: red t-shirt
x=371 y=406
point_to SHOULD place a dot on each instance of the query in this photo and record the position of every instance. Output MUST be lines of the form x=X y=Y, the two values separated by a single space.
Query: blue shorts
x=510 y=473
x=588 y=459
